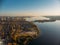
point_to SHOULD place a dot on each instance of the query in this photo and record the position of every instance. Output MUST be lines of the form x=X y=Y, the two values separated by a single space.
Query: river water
x=50 y=34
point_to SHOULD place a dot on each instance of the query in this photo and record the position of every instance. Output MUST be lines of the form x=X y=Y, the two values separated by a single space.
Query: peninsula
x=17 y=31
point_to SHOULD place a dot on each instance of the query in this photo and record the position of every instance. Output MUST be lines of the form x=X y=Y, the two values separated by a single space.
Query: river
x=50 y=34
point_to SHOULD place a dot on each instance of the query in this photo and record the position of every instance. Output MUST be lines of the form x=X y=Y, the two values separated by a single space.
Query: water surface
x=50 y=34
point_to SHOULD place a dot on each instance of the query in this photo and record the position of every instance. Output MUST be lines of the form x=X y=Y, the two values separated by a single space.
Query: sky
x=29 y=7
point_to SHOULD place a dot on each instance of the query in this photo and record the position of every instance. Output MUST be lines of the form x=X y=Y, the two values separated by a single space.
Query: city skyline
x=30 y=8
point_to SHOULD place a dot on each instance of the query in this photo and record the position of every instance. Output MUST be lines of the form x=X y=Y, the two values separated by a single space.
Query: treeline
x=53 y=17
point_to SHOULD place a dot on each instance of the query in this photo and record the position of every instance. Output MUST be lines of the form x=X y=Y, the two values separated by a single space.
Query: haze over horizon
x=30 y=8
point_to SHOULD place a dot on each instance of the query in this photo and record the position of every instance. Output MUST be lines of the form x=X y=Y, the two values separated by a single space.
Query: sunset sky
x=30 y=7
